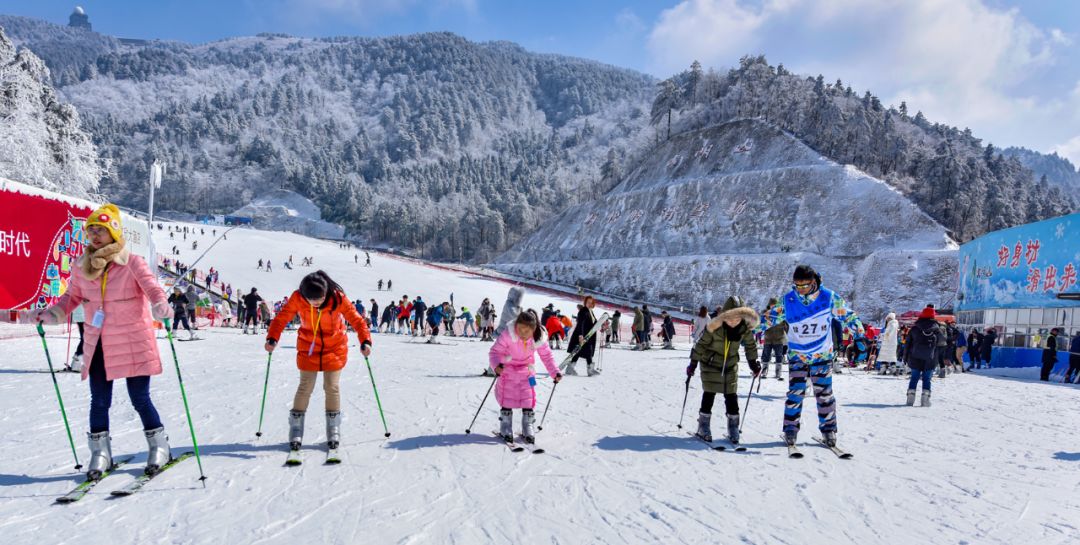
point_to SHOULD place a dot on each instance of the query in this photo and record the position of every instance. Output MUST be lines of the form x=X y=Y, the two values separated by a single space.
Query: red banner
x=40 y=238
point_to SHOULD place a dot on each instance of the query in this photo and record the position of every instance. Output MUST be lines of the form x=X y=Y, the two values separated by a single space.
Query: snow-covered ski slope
x=993 y=461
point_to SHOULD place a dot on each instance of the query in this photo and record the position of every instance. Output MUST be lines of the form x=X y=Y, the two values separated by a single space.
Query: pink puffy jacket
x=127 y=335
x=515 y=387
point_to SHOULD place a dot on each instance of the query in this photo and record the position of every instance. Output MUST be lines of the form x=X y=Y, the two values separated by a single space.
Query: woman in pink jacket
x=121 y=297
x=512 y=357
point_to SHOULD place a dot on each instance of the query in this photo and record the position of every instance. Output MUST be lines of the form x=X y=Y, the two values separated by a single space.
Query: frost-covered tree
x=41 y=143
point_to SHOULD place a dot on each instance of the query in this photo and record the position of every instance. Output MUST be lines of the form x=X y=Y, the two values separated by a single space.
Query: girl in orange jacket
x=322 y=345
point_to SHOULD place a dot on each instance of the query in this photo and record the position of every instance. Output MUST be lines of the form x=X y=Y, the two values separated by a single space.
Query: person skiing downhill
x=717 y=352
x=121 y=293
x=512 y=358
x=322 y=345
x=809 y=310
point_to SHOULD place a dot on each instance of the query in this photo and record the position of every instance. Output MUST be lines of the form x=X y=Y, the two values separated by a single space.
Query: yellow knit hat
x=108 y=216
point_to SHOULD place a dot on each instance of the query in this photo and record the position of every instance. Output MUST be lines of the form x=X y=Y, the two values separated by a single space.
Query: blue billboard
x=1026 y=266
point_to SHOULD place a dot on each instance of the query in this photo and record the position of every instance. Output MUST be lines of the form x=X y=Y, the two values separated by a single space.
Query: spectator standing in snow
x=923 y=344
x=1049 y=355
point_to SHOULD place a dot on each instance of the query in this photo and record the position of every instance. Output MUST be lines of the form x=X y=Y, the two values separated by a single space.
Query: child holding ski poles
x=122 y=296
x=717 y=351
x=322 y=345
x=512 y=358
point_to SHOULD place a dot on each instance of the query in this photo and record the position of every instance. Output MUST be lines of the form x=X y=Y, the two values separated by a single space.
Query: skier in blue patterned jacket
x=809 y=309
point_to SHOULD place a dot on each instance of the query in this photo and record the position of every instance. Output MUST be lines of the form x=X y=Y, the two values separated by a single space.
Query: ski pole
x=183 y=395
x=41 y=332
x=68 y=355
x=749 y=393
x=546 y=407
x=377 y=402
x=266 y=381
x=686 y=394
x=490 y=386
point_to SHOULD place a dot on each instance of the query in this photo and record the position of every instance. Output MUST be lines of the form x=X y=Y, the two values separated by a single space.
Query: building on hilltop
x=79 y=19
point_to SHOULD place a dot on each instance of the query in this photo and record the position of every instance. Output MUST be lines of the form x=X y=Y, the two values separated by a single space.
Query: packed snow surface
x=990 y=462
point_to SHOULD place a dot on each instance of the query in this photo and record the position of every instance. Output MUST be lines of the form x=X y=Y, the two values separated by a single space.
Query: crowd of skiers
x=805 y=329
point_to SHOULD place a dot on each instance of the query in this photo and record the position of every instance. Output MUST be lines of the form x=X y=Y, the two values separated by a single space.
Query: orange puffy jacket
x=321 y=343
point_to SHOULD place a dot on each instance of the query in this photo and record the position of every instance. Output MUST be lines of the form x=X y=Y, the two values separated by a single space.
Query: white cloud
x=629 y=22
x=962 y=62
x=1069 y=150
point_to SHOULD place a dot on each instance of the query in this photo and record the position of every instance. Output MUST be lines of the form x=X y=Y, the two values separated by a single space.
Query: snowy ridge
x=286 y=210
x=732 y=209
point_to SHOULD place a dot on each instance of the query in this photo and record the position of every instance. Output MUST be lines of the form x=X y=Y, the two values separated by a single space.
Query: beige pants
x=331 y=386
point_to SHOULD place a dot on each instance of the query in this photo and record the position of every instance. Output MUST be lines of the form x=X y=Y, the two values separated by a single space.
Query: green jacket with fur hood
x=717 y=351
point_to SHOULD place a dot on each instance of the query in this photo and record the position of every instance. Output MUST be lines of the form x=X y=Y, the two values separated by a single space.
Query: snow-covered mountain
x=41 y=141
x=284 y=210
x=387 y=135
x=732 y=209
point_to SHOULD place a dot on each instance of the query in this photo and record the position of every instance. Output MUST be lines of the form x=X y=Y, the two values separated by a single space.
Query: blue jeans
x=101 y=397
x=924 y=375
x=771 y=351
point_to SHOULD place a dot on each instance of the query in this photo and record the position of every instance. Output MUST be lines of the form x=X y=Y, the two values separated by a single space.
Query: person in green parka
x=717 y=352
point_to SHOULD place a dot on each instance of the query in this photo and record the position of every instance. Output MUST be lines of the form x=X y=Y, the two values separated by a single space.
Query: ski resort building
x=1022 y=282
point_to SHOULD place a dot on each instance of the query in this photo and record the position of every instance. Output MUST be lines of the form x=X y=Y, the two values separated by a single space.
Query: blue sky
x=1009 y=69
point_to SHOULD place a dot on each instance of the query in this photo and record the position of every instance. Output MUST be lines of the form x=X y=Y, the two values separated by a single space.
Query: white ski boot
x=925 y=399
x=296 y=429
x=911 y=398
x=570 y=371
x=159 y=452
x=592 y=370
x=528 y=417
x=733 y=428
x=506 y=425
x=333 y=429
x=76 y=363
x=703 y=427
x=100 y=455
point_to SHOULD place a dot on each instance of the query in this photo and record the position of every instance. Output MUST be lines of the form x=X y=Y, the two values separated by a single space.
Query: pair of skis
x=514 y=446
x=719 y=448
x=86 y=486
x=794 y=452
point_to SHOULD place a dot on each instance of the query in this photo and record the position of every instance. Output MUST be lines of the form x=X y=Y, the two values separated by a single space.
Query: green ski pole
x=183 y=394
x=379 y=403
x=265 y=382
x=63 y=412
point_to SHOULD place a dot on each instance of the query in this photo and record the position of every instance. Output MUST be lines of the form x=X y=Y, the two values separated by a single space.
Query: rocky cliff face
x=41 y=143
x=732 y=209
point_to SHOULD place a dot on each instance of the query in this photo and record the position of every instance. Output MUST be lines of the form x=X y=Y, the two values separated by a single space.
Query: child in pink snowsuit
x=512 y=357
